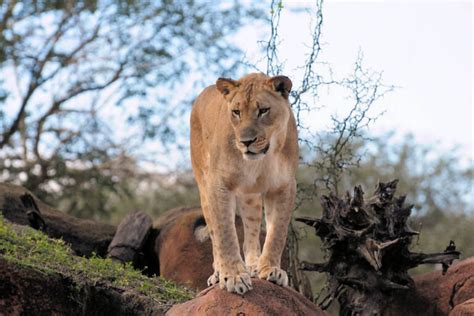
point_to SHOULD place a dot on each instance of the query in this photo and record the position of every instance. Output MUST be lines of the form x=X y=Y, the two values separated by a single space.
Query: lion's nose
x=247 y=143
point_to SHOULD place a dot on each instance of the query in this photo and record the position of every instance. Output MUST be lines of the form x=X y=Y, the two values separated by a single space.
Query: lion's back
x=205 y=116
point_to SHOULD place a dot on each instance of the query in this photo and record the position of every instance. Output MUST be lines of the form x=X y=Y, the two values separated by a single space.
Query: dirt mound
x=265 y=299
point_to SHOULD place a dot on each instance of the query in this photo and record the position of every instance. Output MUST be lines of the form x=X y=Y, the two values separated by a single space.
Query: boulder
x=435 y=293
x=464 y=309
x=184 y=248
x=130 y=238
x=183 y=258
x=265 y=299
x=449 y=290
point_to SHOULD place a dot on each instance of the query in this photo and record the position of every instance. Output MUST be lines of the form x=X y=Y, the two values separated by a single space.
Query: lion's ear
x=281 y=84
x=226 y=86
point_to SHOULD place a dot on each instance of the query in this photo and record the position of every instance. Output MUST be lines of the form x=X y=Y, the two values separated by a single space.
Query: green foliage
x=96 y=81
x=435 y=182
x=33 y=249
x=153 y=195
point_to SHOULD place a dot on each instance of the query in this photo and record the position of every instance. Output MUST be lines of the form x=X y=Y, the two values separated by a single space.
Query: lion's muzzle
x=252 y=154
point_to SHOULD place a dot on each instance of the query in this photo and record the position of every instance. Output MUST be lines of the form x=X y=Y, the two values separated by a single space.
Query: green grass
x=30 y=248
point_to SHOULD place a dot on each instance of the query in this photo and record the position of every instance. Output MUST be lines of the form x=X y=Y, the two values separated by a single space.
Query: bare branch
x=55 y=107
x=7 y=15
x=273 y=64
x=35 y=81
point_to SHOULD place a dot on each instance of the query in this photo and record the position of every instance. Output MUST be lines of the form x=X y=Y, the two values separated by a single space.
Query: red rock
x=447 y=291
x=184 y=248
x=183 y=258
x=464 y=309
x=265 y=299
x=436 y=294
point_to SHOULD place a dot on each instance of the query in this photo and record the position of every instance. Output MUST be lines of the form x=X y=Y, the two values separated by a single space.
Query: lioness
x=244 y=149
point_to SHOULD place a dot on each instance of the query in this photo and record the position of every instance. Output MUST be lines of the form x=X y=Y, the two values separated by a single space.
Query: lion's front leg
x=251 y=214
x=278 y=208
x=229 y=267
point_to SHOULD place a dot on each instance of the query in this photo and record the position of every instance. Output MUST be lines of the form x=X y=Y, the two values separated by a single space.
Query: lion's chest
x=264 y=177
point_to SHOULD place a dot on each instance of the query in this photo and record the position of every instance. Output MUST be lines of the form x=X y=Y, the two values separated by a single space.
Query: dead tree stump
x=132 y=232
x=368 y=244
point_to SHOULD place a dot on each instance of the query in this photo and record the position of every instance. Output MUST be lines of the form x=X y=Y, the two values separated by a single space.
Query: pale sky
x=423 y=47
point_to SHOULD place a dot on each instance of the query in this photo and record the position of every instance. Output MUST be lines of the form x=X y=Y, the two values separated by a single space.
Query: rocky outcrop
x=449 y=290
x=435 y=293
x=464 y=309
x=265 y=299
x=26 y=291
x=130 y=238
x=184 y=248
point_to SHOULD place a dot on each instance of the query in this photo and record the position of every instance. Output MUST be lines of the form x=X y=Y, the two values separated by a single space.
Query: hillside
x=39 y=274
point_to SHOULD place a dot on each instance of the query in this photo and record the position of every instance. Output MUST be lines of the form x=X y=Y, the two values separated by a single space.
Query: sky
x=424 y=48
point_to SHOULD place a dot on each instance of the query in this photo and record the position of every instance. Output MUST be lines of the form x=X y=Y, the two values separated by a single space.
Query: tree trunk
x=84 y=236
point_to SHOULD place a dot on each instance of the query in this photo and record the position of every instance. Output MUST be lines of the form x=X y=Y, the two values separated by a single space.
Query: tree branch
x=7 y=15
x=55 y=107
x=34 y=83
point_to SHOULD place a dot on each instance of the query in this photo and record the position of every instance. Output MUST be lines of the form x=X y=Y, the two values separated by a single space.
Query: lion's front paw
x=274 y=274
x=251 y=265
x=213 y=279
x=235 y=280
x=252 y=270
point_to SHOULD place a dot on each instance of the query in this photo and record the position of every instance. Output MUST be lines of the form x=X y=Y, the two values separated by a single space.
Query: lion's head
x=258 y=109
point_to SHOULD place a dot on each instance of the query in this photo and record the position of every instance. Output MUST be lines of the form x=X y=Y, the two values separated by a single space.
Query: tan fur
x=232 y=176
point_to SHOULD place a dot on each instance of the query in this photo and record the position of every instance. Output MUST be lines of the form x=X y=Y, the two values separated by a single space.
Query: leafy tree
x=68 y=67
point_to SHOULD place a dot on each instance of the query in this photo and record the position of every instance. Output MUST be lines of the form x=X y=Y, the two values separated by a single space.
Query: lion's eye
x=263 y=111
x=236 y=112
